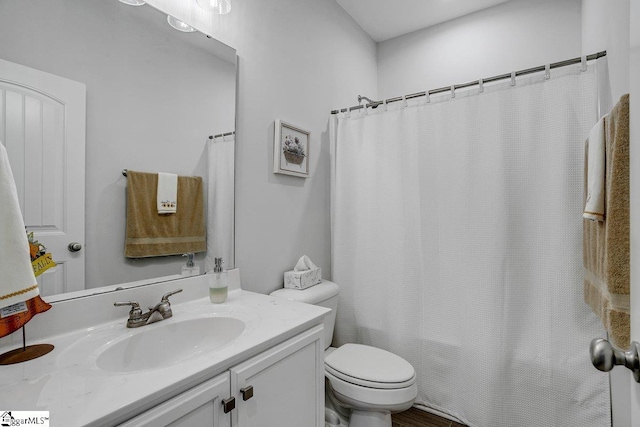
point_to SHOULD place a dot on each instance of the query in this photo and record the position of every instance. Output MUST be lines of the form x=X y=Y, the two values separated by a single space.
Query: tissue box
x=302 y=279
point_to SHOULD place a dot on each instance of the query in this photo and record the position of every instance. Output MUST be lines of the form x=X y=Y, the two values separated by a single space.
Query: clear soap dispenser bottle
x=218 y=283
x=190 y=269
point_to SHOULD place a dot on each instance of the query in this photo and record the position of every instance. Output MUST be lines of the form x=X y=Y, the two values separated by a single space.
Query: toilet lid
x=370 y=367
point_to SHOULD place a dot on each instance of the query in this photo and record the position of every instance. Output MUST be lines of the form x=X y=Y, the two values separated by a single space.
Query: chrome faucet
x=159 y=312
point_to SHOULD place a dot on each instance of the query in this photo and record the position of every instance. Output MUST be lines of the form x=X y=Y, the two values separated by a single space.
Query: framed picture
x=290 y=150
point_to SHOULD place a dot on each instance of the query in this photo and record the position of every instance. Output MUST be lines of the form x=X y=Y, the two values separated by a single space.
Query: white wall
x=298 y=59
x=606 y=26
x=511 y=36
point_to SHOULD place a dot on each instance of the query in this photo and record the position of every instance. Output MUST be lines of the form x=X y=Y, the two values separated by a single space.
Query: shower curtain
x=457 y=244
x=220 y=202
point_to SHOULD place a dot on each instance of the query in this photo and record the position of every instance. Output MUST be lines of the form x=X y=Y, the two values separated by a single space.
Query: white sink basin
x=166 y=343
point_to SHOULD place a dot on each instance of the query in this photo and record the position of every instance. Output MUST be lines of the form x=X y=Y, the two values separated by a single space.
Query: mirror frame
x=219 y=49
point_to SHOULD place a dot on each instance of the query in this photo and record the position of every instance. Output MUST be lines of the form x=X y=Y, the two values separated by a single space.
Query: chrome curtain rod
x=475 y=82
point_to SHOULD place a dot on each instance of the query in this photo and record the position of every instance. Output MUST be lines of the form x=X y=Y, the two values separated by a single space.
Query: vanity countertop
x=68 y=384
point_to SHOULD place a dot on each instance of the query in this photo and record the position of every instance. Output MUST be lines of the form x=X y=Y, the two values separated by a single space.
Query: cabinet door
x=200 y=406
x=287 y=383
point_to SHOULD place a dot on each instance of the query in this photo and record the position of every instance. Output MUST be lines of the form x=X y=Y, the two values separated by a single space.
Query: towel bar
x=604 y=356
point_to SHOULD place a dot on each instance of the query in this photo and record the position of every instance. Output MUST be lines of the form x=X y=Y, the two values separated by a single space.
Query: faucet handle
x=165 y=297
x=135 y=308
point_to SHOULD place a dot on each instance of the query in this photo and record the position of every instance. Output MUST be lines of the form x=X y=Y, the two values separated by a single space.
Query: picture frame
x=291 y=150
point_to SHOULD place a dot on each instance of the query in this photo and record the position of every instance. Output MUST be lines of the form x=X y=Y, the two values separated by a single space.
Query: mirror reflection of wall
x=153 y=97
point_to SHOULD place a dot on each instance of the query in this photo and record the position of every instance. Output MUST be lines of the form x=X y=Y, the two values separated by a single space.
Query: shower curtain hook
x=366 y=111
x=480 y=86
x=583 y=62
x=404 y=98
x=349 y=113
x=385 y=105
x=426 y=94
x=547 y=71
x=513 y=78
x=453 y=91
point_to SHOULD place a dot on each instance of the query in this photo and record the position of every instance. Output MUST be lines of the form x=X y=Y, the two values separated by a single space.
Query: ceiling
x=385 y=19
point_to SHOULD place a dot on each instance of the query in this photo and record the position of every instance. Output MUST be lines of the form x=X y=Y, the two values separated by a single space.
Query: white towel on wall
x=17 y=281
x=167 y=193
x=595 y=164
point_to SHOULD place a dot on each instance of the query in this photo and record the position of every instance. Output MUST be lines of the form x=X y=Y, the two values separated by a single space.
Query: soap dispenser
x=190 y=269
x=218 y=283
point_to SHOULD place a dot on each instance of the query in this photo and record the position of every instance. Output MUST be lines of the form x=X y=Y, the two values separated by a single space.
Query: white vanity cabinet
x=280 y=387
x=198 y=407
x=287 y=383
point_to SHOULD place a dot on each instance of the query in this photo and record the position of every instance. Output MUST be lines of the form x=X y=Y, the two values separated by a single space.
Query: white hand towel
x=594 y=205
x=167 y=193
x=17 y=281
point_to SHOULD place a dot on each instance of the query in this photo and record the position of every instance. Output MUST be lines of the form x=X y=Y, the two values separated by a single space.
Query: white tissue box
x=302 y=279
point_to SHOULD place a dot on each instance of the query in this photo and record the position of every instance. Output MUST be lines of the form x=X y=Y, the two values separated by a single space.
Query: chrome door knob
x=605 y=357
x=74 y=247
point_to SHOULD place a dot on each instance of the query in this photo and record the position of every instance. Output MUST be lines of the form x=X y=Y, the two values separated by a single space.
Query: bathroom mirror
x=154 y=95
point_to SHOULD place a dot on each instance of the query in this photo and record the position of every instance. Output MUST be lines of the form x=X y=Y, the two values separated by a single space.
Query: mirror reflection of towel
x=167 y=194
x=151 y=234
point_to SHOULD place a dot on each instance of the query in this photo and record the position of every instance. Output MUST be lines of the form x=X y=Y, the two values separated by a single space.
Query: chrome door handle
x=605 y=357
x=74 y=247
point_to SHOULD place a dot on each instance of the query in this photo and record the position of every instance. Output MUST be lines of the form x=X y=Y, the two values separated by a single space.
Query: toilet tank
x=324 y=294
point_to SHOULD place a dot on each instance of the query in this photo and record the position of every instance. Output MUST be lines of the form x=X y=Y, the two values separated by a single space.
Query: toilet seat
x=368 y=398
x=369 y=367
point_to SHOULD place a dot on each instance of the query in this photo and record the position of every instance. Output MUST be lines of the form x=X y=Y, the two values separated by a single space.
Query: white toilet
x=364 y=384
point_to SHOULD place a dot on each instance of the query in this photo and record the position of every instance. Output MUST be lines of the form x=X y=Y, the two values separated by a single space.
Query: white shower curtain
x=457 y=244
x=220 y=202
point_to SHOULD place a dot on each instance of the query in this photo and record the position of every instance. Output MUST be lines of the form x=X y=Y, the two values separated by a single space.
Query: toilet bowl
x=366 y=383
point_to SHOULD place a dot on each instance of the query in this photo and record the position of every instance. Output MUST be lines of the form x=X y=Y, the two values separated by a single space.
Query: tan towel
x=151 y=234
x=606 y=244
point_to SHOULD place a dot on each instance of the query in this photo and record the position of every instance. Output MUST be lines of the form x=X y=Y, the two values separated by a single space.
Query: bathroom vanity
x=241 y=363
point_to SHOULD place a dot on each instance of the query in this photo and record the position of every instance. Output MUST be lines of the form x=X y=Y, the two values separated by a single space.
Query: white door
x=42 y=126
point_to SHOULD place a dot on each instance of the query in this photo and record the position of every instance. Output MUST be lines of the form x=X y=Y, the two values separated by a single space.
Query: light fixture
x=133 y=2
x=179 y=25
x=219 y=7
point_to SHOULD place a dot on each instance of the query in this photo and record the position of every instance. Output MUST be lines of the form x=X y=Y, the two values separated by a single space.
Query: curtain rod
x=477 y=82
x=221 y=134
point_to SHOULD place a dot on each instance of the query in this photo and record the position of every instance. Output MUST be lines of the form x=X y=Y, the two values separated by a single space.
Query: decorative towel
x=19 y=293
x=167 y=194
x=606 y=243
x=595 y=164
x=19 y=314
x=17 y=281
x=151 y=234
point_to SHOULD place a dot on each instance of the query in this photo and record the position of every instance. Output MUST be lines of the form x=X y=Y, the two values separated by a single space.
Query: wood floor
x=417 y=418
